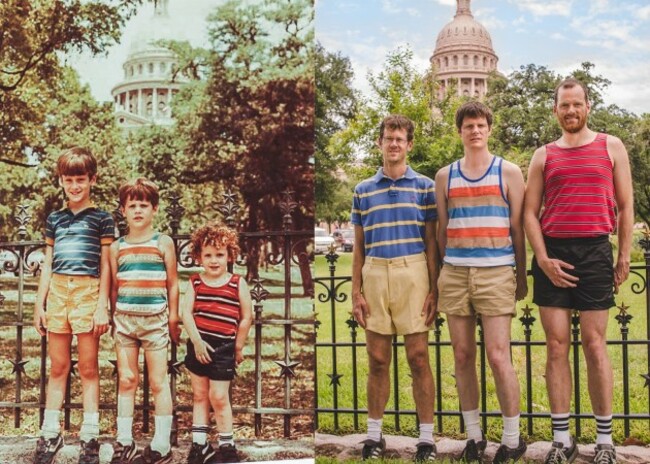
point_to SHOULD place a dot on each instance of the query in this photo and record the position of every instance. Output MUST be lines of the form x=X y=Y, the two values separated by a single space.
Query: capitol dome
x=144 y=96
x=464 y=52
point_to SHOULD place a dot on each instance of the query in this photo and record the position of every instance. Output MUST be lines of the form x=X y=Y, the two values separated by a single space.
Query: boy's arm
x=43 y=288
x=246 y=319
x=100 y=319
x=186 y=309
x=113 y=252
x=169 y=256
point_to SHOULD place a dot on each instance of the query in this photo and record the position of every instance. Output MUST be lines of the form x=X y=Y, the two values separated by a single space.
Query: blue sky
x=558 y=34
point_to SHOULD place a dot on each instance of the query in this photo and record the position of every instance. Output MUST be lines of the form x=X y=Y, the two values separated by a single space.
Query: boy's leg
x=88 y=347
x=200 y=408
x=159 y=384
x=59 y=353
x=128 y=373
x=220 y=400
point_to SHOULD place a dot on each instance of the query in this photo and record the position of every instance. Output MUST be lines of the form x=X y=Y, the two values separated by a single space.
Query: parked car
x=344 y=239
x=322 y=241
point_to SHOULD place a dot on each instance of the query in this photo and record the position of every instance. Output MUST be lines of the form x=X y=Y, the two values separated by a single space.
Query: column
x=169 y=102
x=128 y=101
x=154 y=102
x=472 y=88
x=140 y=112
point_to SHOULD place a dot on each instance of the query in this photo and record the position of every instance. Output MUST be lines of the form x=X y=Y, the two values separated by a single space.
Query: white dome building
x=144 y=96
x=464 y=52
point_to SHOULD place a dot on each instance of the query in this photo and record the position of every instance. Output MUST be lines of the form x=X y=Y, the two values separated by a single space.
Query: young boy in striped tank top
x=482 y=243
x=144 y=297
x=216 y=312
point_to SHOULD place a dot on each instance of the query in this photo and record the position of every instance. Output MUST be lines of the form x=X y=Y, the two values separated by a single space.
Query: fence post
x=258 y=294
x=527 y=321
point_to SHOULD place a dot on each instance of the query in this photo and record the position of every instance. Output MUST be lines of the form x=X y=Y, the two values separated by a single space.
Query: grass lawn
x=333 y=327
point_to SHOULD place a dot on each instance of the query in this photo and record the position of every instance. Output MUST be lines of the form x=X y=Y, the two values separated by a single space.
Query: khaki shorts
x=134 y=330
x=71 y=303
x=468 y=291
x=395 y=290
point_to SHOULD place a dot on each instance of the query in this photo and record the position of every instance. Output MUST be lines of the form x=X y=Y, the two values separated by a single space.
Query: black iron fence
x=342 y=362
x=282 y=384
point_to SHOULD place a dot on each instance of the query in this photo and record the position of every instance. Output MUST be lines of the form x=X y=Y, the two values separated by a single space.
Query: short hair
x=139 y=189
x=569 y=83
x=217 y=235
x=397 y=121
x=76 y=161
x=473 y=109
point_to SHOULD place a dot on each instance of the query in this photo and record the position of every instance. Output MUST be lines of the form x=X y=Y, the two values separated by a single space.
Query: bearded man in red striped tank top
x=584 y=182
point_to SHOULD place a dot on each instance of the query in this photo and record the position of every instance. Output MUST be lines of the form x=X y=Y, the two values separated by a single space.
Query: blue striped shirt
x=393 y=213
x=77 y=240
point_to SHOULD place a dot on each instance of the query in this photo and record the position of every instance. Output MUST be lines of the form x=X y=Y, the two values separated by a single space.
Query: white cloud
x=392 y=7
x=446 y=2
x=488 y=19
x=545 y=7
x=520 y=21
x=599 y=6
x=557 y=36
x=643 y=13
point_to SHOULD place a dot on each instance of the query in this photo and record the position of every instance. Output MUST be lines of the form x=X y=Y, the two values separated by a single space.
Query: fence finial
x=287 y=205
x=23 y=217
x=174 y=212
x=229 y=208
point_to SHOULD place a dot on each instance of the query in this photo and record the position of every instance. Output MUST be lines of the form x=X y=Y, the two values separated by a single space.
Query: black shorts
x=594 y=266
x=222 y=365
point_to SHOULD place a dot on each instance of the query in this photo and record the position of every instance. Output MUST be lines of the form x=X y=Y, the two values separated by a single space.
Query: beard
x=576 y=125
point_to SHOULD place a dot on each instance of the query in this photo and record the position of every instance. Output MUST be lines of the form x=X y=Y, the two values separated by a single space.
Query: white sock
x=51 y=424
x=162 y=434
x=89 y=427
x=125 y=430
x=472 y=425
x=226 y=438
x=510 y=436
x=426 y=434
x=200 y=433
x=604 y=430
x=374 y=429
x=560 y=424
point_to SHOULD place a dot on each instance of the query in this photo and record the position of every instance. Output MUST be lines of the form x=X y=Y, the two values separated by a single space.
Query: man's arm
x=624 y=205
x=40 y=322
x=515 y=185
x=171 y=267
x=553 y=268
x=359 y=306
x=100 y=319
x=443 y=217
x=431 y=251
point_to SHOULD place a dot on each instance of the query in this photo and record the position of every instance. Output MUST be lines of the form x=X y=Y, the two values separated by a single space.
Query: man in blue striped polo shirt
x=394 y=276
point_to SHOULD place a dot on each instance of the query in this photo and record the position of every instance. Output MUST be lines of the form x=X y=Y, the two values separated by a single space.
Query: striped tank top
x=141 y=278
x=579 y=194
x=478 y=233
x=216 y=309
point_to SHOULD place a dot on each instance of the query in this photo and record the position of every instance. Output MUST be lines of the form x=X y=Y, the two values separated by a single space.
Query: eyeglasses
x=390 y=140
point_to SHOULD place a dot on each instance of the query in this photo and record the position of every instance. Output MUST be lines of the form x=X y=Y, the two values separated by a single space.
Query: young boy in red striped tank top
x=216 y=311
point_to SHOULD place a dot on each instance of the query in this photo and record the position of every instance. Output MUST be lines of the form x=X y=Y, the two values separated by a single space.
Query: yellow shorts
x=135 y=330
x=468 y=291
x=395 y=290
x=71 y=303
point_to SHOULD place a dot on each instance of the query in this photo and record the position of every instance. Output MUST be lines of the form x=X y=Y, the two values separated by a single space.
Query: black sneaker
x=505 y=454
x=150 y=456
x=89 y=452
x=373 y=449
x=46 y=449
x=425 y=452
x=474 y=451
x=561 y=455
x=605 y=454
x=200 y=454
x=124 y=454
x=228 y=453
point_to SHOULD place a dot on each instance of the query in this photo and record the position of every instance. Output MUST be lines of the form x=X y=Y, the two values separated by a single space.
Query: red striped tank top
x=216 y=309
x=579 y=196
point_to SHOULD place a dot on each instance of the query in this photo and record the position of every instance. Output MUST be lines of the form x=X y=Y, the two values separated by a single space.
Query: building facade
x=464 y=54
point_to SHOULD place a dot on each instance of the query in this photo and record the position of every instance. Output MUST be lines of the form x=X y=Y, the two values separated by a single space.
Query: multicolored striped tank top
x=141 y=278
x=579 y=194
x=478 y=233
x=216 y=309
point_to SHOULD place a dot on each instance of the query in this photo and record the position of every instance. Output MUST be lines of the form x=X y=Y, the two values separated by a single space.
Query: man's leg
x=593 y=325
x=557 y=325
x=88 y=347
x=417 y=355
x=162 y=397
x=497 y=345
x=379 y=357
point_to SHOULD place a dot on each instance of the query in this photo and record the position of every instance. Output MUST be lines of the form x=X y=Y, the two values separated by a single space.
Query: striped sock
x=604 y=430
x=200 y=433
x=560 y=425
x=226 y=438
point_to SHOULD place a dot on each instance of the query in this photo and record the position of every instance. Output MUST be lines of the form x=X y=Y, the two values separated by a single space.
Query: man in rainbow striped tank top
x=583 y=180
x=144 y=298
x=394 y=278
x=481 y=240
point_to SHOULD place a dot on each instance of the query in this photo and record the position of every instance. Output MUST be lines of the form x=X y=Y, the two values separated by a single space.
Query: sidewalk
x=20 y=450
x=349 y=447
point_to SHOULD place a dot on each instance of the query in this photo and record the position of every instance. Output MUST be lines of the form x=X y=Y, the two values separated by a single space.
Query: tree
x=31 y=37
x=639 y=151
